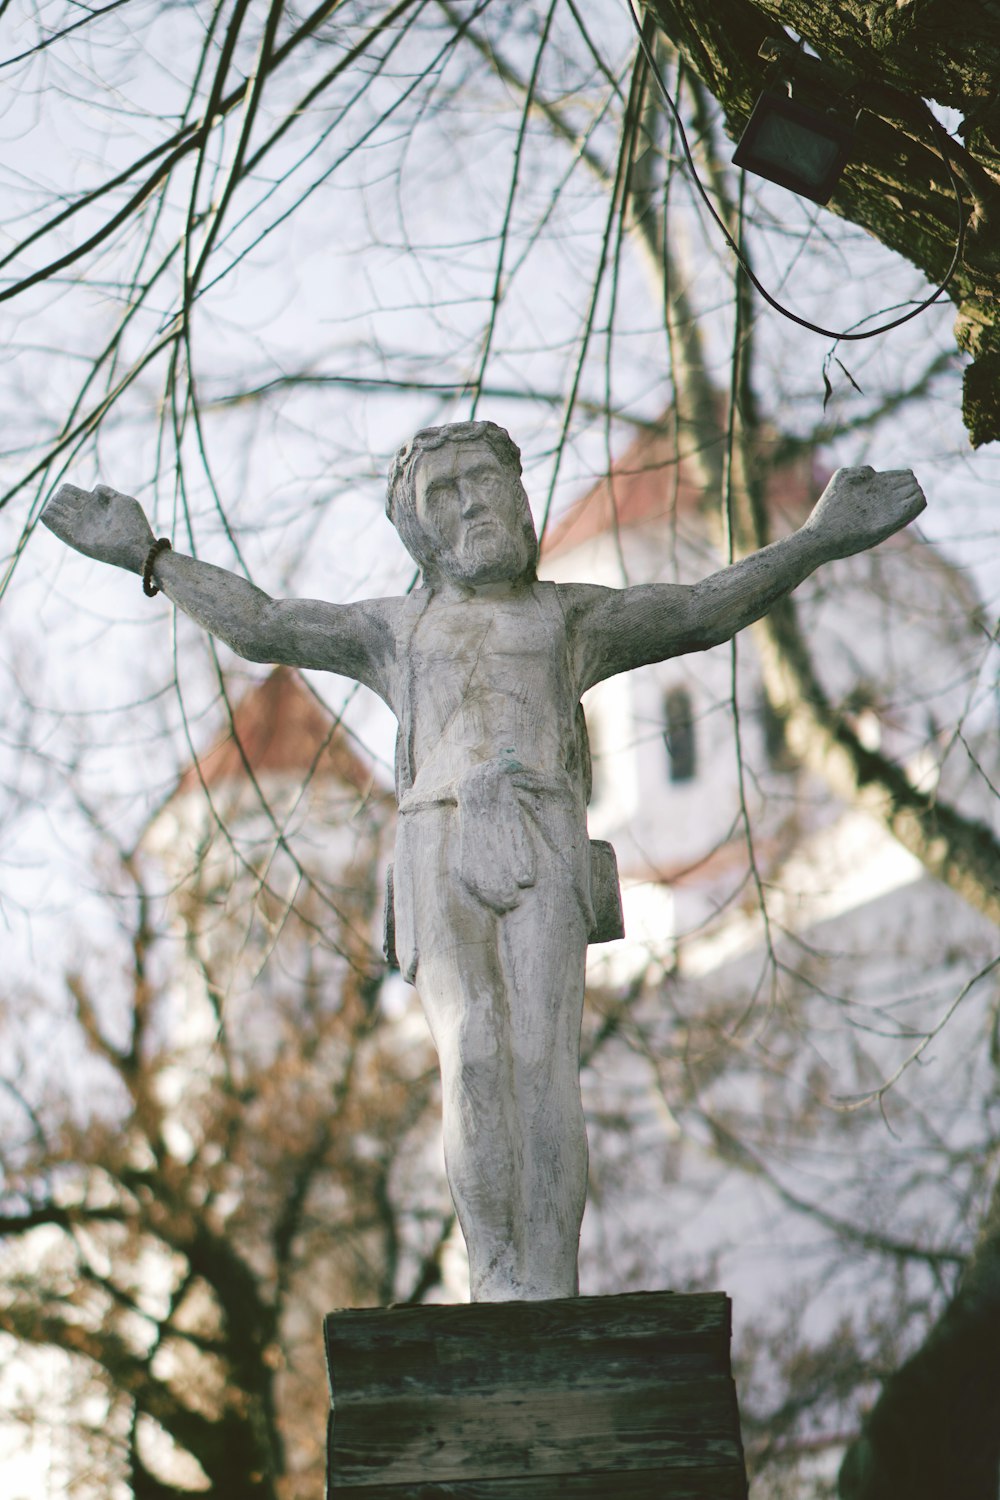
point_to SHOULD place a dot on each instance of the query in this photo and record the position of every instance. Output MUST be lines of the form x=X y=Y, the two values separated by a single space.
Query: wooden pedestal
x=626 y=1398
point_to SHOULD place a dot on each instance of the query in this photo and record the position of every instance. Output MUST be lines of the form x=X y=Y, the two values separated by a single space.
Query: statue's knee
x=544 y=1068
x=473 y=1063
x=480 y=1075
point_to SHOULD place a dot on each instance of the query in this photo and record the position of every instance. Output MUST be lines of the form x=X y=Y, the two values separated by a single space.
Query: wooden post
x=625 y=1398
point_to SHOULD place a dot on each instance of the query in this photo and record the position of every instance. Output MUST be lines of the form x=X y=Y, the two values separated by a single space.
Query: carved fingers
x=860 y=508
x=101 y=523
x=61 y=515
x=902 y=495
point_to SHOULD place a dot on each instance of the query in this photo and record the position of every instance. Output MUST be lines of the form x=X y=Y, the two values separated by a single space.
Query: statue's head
x=456 y=499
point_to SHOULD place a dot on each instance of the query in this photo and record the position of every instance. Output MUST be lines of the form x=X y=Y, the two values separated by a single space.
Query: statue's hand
x=101 y=523
x=860 y=508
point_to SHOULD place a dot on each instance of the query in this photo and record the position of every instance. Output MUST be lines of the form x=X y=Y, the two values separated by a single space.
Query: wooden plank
x=724 y=1483
x=460 y=1371
x=625 y=1396
x=537 y=1432
x=378 y=1352
x=573 y=1318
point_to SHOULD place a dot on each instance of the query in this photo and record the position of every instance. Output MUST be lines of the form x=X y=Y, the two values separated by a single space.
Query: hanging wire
x=786 y=312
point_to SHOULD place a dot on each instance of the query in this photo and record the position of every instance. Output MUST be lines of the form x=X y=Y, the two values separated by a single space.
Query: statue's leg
x=483 y=1147
x=461 y=987
x=504 y=997
x=543 y=950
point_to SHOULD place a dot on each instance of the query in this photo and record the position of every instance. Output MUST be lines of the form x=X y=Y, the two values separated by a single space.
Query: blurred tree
x=242 y=1143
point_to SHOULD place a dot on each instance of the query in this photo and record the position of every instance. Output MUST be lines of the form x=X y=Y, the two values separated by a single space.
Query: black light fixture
x=793 y=144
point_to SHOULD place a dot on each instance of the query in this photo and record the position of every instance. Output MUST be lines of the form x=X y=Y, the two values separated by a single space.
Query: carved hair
x=401 y=499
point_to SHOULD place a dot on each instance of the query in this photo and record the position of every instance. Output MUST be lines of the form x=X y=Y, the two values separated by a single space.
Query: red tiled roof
x=279 y=727
x=649 y=483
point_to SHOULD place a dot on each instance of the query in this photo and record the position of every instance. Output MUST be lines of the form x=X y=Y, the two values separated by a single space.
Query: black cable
x=773 y=301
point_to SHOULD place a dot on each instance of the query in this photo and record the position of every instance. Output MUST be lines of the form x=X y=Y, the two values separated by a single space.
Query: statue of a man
x=484 y=668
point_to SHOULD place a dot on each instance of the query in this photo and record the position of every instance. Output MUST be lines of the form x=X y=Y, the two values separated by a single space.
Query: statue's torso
x=488 y=679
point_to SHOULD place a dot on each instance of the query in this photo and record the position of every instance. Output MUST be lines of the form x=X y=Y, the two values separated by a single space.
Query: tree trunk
x=934 y=1432
x=957 y=850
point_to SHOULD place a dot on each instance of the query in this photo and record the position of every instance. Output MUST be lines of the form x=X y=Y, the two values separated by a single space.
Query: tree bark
x=886 y=59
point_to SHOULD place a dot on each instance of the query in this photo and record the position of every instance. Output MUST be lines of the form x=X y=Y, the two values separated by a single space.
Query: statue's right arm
x=352 y=639
x=345 y=638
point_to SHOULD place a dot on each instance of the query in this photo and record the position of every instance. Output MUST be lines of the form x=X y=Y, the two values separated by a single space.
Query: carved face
x=472 y=510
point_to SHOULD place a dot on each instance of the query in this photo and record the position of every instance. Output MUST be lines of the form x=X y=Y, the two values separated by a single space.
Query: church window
x=679 y=735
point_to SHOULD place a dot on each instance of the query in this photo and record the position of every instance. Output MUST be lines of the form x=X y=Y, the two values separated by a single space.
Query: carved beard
x=489 y=552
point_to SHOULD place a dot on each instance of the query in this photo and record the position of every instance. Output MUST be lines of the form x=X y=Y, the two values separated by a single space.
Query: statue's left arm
x=615 y=630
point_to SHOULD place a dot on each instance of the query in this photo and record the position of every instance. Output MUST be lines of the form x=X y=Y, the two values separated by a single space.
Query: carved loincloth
x=495 y=834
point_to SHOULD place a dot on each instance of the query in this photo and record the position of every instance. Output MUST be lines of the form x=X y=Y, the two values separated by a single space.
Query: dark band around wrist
x=149 y=588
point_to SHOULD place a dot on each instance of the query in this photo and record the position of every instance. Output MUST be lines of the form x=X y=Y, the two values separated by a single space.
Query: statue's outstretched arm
x=630 y=627
x=111 y=527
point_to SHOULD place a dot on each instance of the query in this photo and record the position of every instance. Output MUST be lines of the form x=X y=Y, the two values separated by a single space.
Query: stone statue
x=484 y=668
